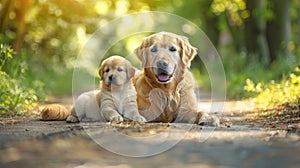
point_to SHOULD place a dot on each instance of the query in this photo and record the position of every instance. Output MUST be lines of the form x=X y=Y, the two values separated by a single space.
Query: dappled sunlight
x=236 y=9
x=121 y=7
x=133 y=43
x=102 y=7
x=81 y=35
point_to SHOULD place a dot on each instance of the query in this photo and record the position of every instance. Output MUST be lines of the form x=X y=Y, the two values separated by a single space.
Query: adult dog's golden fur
x=114 y=101
x=165 y=87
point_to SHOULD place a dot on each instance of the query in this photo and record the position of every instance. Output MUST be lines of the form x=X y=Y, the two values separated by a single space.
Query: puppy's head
x=116 y=71
x=165 y=55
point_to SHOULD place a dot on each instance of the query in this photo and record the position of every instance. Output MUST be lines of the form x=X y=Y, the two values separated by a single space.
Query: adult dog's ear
x=130 y=70
x=142 y=51
x=188 y=52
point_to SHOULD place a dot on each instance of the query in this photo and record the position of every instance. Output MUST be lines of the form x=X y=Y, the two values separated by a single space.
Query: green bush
x=285 y=92
x=18 y=95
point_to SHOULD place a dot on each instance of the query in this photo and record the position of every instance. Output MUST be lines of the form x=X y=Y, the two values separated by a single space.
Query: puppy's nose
x=112 y=77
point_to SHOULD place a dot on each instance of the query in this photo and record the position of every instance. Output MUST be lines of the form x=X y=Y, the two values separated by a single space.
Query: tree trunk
x=6 y=9
x=211 y=21
x=278 y=29
x=255 y=28
x=236 y=32
x=21 y=11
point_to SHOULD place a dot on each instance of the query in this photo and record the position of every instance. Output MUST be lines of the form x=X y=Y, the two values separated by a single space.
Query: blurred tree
x=7 y=7
x=211 y=21
x=17 y=10
x=255 y=29
x=22 y=7
x=278 y=28
x=295 y=27
x=259 y=27
x=234 y=12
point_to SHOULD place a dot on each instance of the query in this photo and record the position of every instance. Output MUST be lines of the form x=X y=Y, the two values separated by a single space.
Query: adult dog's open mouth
x=164 y=76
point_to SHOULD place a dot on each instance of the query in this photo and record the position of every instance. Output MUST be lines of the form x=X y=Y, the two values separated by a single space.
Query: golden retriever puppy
x=165 y=87
x=116 y=99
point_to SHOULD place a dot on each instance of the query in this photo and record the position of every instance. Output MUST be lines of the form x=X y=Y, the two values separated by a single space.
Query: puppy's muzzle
x=112 y=79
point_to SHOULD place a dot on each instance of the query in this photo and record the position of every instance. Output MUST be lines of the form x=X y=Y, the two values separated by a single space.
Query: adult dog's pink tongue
x=163 y=77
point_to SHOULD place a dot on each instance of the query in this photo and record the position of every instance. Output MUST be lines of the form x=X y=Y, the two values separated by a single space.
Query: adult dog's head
x=165 y=56
x=115 y=71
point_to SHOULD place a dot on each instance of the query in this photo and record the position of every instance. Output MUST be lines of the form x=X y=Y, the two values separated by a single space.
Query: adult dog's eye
x=153 y=49
x=172 y=49
x=120 y=69
x=107 y=70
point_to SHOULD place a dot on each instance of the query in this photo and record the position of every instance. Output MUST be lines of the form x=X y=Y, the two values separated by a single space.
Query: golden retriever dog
x=165 y=87
x=116 y=98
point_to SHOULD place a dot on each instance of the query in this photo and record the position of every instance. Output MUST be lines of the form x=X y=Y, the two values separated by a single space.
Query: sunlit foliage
x=285 y=92
x=16 y=96
x=236 y=10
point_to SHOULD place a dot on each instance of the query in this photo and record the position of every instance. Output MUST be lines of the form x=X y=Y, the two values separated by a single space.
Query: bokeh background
x=40 y=39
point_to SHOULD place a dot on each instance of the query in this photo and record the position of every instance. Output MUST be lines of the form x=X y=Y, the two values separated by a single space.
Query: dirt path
x=238 y=142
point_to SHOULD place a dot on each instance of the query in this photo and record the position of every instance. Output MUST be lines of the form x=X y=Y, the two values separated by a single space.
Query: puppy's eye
x=120 y=69
x=172 y=49
x=153 y=49
x=107 y=70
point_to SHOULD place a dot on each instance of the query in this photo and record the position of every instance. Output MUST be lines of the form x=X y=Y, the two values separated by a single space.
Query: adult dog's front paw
x=117 y=118
x=139 y=118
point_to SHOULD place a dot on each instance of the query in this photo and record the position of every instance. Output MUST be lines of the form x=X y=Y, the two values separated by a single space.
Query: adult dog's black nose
x=162 y=66
x=112 y=77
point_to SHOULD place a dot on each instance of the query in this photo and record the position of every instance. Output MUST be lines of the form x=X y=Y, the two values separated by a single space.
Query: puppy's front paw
x=210 y=120
x=117 y=118
x=139 y=118
x=72 y=119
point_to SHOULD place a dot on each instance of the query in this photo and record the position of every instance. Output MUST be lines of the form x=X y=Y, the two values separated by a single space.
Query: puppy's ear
x=101 y=71
x=188 y=52
x=130 y=70
x=141 y=51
